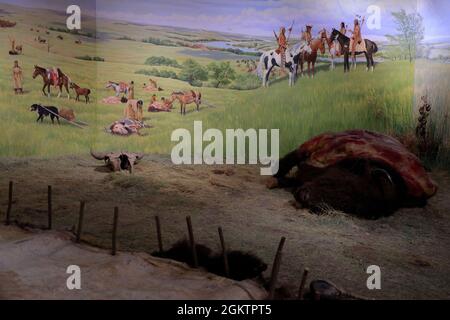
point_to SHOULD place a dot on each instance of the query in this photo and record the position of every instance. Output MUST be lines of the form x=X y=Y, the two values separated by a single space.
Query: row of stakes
x=275 y=267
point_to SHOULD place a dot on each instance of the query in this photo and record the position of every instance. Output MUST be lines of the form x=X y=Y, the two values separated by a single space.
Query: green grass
x=383 y=101
x=331 y=101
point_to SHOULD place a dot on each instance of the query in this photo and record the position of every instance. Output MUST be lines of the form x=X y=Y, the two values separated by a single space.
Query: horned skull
x=118 y=161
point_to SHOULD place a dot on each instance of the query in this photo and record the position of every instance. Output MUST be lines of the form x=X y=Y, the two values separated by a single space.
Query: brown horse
x=62 y=80
x=80 y=92
x=187 y=98
x=311 y=58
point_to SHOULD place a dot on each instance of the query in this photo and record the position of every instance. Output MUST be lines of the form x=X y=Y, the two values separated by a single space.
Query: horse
x=332 y=50
x=119 y=87
x=344 y=41
x=80 y=92
x=62 y=80
x=272 y=58
x=311 y=58
x=187 y=98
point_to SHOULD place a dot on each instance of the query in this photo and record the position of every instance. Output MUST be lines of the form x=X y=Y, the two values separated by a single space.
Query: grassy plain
x=332 y=101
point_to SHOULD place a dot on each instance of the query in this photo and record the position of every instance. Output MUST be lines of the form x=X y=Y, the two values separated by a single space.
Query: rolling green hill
x=331 y=101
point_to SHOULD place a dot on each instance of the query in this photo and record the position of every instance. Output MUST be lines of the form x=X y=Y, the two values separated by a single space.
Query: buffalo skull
x=118 y=161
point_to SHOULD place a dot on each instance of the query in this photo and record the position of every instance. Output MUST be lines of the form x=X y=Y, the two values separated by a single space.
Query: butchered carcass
x=355 y=171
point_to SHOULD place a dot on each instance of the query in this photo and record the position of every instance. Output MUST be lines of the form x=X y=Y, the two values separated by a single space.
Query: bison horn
x=98 y=155
x=385 y=180
x=139 y=156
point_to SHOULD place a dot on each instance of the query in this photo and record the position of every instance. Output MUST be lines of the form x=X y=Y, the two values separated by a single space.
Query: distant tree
x=162 y=61
x=221 y=73
x=193 y=72
x=411 y=32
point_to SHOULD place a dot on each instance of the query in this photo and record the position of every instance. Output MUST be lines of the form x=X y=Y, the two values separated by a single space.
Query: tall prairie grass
x=432 y=79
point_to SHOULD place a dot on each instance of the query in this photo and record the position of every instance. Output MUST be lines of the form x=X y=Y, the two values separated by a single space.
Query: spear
x=290 y=30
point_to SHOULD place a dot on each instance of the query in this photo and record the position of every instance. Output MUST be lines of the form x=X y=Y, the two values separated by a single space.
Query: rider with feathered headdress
x=307 y=35
x=357 y=36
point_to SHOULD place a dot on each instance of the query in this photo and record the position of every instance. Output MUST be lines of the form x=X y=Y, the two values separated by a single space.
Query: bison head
x=370 y=194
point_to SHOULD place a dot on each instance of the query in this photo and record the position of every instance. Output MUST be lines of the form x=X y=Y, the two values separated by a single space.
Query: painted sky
x=260 y=17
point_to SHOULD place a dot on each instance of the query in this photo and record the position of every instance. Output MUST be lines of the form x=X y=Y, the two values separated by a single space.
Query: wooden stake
x=224 y=253
x=8 y=211
x=302 y=284
x=50 y=213
x=192 y=241
x=80 y=221
x=114 y=231
x=158 y=233
x=276 y=268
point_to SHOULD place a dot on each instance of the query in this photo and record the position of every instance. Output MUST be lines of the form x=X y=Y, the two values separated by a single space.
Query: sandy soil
x=412 y=247
x=34 y=266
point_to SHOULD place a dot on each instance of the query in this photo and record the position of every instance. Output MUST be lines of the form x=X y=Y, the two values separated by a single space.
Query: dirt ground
x=412 y=247
x=34 y=266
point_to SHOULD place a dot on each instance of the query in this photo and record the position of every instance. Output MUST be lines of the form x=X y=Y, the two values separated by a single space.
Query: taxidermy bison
x=118 y=161
x=242 y=265
x=359 y=172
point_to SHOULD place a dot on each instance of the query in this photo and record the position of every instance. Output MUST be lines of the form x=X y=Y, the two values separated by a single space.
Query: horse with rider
x=306 y=51
x=284 y=57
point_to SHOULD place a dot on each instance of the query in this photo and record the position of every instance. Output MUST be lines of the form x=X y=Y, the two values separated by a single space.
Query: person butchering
x=15 y=49
x=126 y=127
x=133 y=110
x=157 y=106
x=152 y=86
x=17 y=78
x=131 y=91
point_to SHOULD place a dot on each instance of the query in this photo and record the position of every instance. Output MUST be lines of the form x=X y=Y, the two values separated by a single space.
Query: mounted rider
x=282 y=45
x=307 y=35
x=53 y=75
x=357 y=36
x=343 y=30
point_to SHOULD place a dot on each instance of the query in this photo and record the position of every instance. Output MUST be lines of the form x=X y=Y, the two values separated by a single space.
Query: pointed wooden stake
x=224 y=253
x=276 y=269
x=80 y=221
x=50 y=213
x=192 y=241
x=10 y=197
x=158 y=233
x=302 y=284
x=114 y=231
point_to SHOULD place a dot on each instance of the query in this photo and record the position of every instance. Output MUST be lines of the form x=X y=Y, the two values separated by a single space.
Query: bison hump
x=330 y=148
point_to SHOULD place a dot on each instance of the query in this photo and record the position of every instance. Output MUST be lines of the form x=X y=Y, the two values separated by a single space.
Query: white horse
x=271 y=59
x=118 y=87
x=333 y=47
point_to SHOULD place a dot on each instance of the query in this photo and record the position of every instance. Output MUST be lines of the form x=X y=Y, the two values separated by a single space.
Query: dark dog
x=44 y=111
